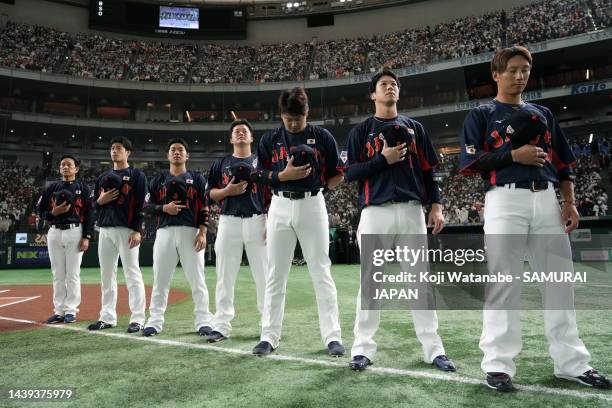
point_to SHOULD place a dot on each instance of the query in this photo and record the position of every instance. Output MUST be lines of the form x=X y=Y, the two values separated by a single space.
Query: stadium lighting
x=219 y=140
x=12 y=130
x=590 y=137
x=289 y=5
x=44 y=133
x=73 y=136
x=446 y=125
x=196 y=141
x=99 y=137
x=564 y=107
x=588 y=74
x=296 y=4
x=150 y=140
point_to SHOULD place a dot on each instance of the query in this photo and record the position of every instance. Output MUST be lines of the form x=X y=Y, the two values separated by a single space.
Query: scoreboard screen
x=205 y=22
x=179 y=17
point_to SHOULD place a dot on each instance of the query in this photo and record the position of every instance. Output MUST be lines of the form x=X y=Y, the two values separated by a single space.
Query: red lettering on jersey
x=274 y=156
x=498 y=141
x=547 y=137
x=412 y=148
x=254 y=188
x=370 y=150
x=126 y=189
x=377 y=144
x=283 y=153
x=226 y=179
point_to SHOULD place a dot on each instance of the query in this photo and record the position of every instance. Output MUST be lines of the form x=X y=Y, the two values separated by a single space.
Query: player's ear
x=187 y=155
x=373 y=97
x=495 y=76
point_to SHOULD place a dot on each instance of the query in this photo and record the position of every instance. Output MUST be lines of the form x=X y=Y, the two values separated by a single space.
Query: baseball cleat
x=359 y=363
x=443 y=363
x=134 y=327
x=55 y=319
x=263 y=348
x=335 y=349
x=99 y=325
x=149 y=332
x=69 y=318
x=215 y=336
x=205 y=330
x=590 y=378
x=500 y=382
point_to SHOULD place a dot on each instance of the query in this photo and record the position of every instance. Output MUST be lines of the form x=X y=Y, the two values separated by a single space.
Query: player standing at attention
x=521 y=153
x=178 y=199
x=395 y=179
x=66 y=206
x=298 y=160
x=242 y=224
x=120 y=194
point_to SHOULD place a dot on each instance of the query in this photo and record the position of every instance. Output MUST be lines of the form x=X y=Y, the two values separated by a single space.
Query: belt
x=242 y=215
x=529 y=185
x=64 y=227
x=296 y=195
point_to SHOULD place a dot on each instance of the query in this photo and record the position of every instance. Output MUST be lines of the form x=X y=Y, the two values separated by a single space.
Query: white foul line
x=5 y=290
x=277 y=357
x=23 y=299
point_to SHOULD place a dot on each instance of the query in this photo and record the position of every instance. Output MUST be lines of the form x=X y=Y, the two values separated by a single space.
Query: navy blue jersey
x=483 y=133
x=81 y=209
x=196 y=213
x=245 y=205
x=126 y=209
x=273 y=153
x=379 y=182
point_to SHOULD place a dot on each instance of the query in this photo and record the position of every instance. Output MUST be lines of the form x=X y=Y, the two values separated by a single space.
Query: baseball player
x=242 y=224
x=395 y=180
x=66 y=206
x=297 y=160
x=521 y=153
x=177 y=198
x=120 y=194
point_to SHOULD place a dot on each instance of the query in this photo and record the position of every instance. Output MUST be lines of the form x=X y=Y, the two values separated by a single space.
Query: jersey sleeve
x=214 y=180
x=331 y=156
x=472 y=142
x=140 y=192
x=89 y=212
x=428 y=160
x=563 y=159
x=358 y=167
x=153 y=203
x=264 y=173
x=202 y=210
x=44 y=205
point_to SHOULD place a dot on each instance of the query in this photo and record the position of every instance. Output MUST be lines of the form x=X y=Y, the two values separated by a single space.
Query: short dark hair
x=177 y=140
x=293 y=102
x=123 y=141
x=501 y=58
x=377 y=76
x=76 y=161
x=241 y=122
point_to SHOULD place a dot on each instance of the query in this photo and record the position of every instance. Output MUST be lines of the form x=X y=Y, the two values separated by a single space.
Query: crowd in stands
x=93 y=56
x=18 y=195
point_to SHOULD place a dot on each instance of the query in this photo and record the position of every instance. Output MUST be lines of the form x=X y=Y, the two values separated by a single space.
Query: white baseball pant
x=394 y=218
x=527 y=213
x=172 y=244
x=234 y=234
x=65 y=260
x=112 y=244
x=304 y=220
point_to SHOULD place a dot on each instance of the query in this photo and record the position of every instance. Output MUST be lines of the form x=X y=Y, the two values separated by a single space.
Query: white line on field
x=5 y=290
x=23 y=299
x=277 y=357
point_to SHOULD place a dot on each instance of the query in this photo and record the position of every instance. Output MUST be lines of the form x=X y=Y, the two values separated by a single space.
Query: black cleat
x=443 y=363
x=590 y=378
x=99 y=325
x=55 y=319
x=134 y=327
x=359 y=363
x=215 y=336
x=263 y=348
x=335 y=349
x=69 y=318
x=500 y=382
x=149 y=332
x=205 y=330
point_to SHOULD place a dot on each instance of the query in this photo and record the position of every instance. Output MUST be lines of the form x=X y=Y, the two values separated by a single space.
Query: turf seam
x=278 y=357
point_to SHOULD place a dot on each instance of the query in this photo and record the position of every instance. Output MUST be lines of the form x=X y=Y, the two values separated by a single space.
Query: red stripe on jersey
x=366 y=188
x=423 y=160
x=493 y=177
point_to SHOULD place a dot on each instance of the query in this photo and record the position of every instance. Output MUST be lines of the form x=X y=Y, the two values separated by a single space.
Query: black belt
x=296 y=195
x=240 y=215
x=64 y=227
x=529 y=185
